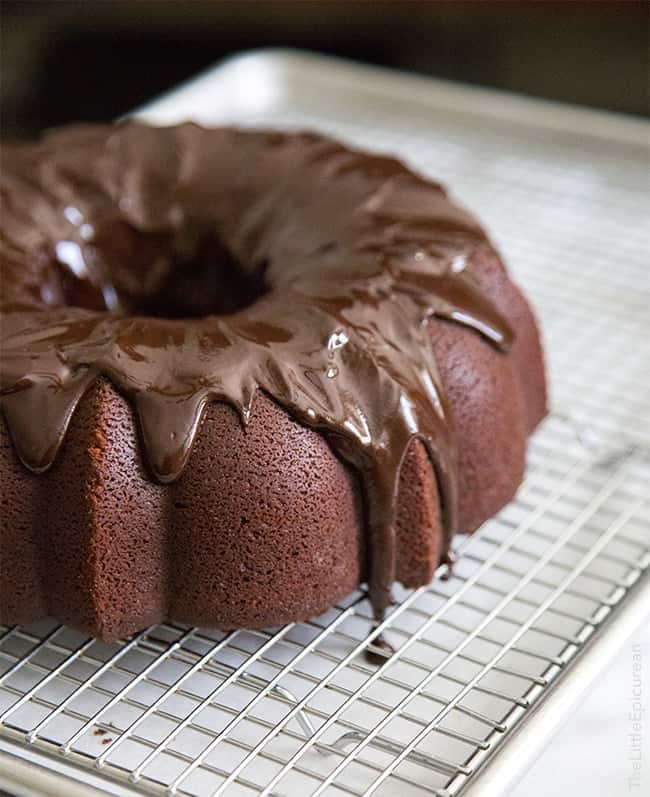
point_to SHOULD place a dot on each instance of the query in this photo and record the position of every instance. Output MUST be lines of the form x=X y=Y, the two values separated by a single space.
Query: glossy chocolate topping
x=189 y=265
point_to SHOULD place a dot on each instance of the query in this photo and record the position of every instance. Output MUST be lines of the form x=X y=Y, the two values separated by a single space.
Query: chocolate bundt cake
x=244 y=372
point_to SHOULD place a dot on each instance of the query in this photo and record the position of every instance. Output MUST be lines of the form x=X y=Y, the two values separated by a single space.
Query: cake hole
x=189 y=275
x=211 y=283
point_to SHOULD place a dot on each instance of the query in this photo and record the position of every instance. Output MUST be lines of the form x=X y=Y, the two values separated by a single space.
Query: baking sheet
x=489 y=661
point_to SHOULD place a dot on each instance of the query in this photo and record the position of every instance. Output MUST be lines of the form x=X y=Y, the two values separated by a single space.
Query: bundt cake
x=244 y=372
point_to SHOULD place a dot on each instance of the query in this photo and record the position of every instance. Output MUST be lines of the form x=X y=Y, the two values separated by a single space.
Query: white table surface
x=591 y=754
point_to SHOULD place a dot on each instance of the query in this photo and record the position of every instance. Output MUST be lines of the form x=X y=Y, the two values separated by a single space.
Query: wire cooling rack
x=488 y=658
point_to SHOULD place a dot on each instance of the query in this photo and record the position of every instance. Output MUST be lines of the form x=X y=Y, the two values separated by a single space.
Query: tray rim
x=271 y=66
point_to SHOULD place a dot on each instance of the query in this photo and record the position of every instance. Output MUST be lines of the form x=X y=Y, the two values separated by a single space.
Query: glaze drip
x=345 y=256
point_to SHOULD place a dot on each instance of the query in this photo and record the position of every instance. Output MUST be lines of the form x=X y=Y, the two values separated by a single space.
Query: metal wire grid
x=302 y=710
x=320 y=707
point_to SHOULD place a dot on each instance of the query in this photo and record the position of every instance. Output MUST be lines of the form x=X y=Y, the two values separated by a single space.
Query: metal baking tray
x=490 y=660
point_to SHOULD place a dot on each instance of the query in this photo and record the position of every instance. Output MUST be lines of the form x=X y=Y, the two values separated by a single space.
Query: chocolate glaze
x=379 y=651
x=449 y=559
x=296 y=265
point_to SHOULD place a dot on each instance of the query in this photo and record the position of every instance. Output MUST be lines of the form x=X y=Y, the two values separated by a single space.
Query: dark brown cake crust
x=265 y=523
